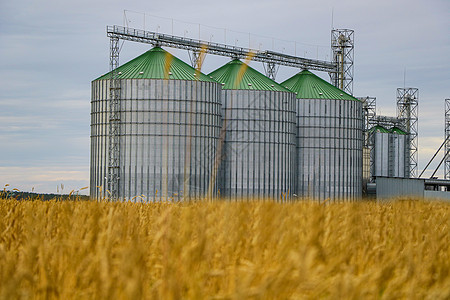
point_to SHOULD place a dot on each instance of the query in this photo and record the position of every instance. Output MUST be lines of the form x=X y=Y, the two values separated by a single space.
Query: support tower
x=447 y=139
x=114 y=121
x=369 y=115
x=271 y=70
x=342 y=47
x=407 y=109
x=194 y=56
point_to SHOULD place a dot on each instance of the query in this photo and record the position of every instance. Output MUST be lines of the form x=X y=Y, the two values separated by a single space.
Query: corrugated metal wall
x=259 y=148
x=390 y=155
x=398 y=143
x=329 y=148
x=387 y=188
x=381 y=152
x=169 y=133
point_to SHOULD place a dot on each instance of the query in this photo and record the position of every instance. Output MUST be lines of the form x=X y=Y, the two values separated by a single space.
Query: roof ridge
x=381 y=128
x=398 y=130
x=237 y=75
x=151 y=65
x=307 y=85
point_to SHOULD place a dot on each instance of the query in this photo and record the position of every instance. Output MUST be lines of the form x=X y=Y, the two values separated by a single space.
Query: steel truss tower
x=271 y=70
x=194 y=56
x=114 y=122
x=342 y=47
x=369 y=115
x=407 y=109
x=447 y=138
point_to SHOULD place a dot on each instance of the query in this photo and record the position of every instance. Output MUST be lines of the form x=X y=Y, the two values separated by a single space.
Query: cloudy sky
x=51 y=50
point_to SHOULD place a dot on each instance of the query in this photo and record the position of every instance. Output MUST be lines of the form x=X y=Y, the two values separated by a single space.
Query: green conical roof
x=398 y=131
x=379 y=128
x=228 y=76
x=309 y=86
x=152 y=65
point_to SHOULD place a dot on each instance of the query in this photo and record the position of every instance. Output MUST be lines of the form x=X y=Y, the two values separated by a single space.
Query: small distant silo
x=390 y=154
x=329 y=139
x=259 y=145
x=381 y=152
x=399 y=149
x=169 y=126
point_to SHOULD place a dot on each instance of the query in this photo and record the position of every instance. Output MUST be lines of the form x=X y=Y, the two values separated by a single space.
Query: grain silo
x=381 y=152
x=259 y=145
x=390 y=157
x=329 y=139
x=399 y=147
x=169 y=127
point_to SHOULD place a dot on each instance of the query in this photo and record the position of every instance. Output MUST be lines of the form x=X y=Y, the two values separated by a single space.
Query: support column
x=407 y=110
x=271 y=70
x=447 y=137
x=114 y=122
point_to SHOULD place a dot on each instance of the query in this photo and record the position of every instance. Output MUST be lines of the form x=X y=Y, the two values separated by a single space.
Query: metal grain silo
x=169 y=126
x=329 y=139
x=399 y=149
x=259 y=145
x=382 y=150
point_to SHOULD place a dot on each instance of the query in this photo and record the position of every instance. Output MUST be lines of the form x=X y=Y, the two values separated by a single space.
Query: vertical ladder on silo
x=391 y=148
x=114 y=122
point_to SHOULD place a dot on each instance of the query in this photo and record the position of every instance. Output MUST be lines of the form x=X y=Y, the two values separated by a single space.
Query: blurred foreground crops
x=224 y=250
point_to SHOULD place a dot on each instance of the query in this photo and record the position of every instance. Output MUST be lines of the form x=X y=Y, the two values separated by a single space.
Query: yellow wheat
x=224 y=250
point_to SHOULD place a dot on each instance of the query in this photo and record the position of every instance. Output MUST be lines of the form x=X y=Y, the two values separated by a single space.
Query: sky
x=52 y=50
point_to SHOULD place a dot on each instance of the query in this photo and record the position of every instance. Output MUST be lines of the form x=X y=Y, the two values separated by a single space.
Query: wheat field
x=224 y=250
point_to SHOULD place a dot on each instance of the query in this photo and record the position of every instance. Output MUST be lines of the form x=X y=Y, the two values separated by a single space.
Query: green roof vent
x=309 y=86
x=235 y=75
x=153 y=64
